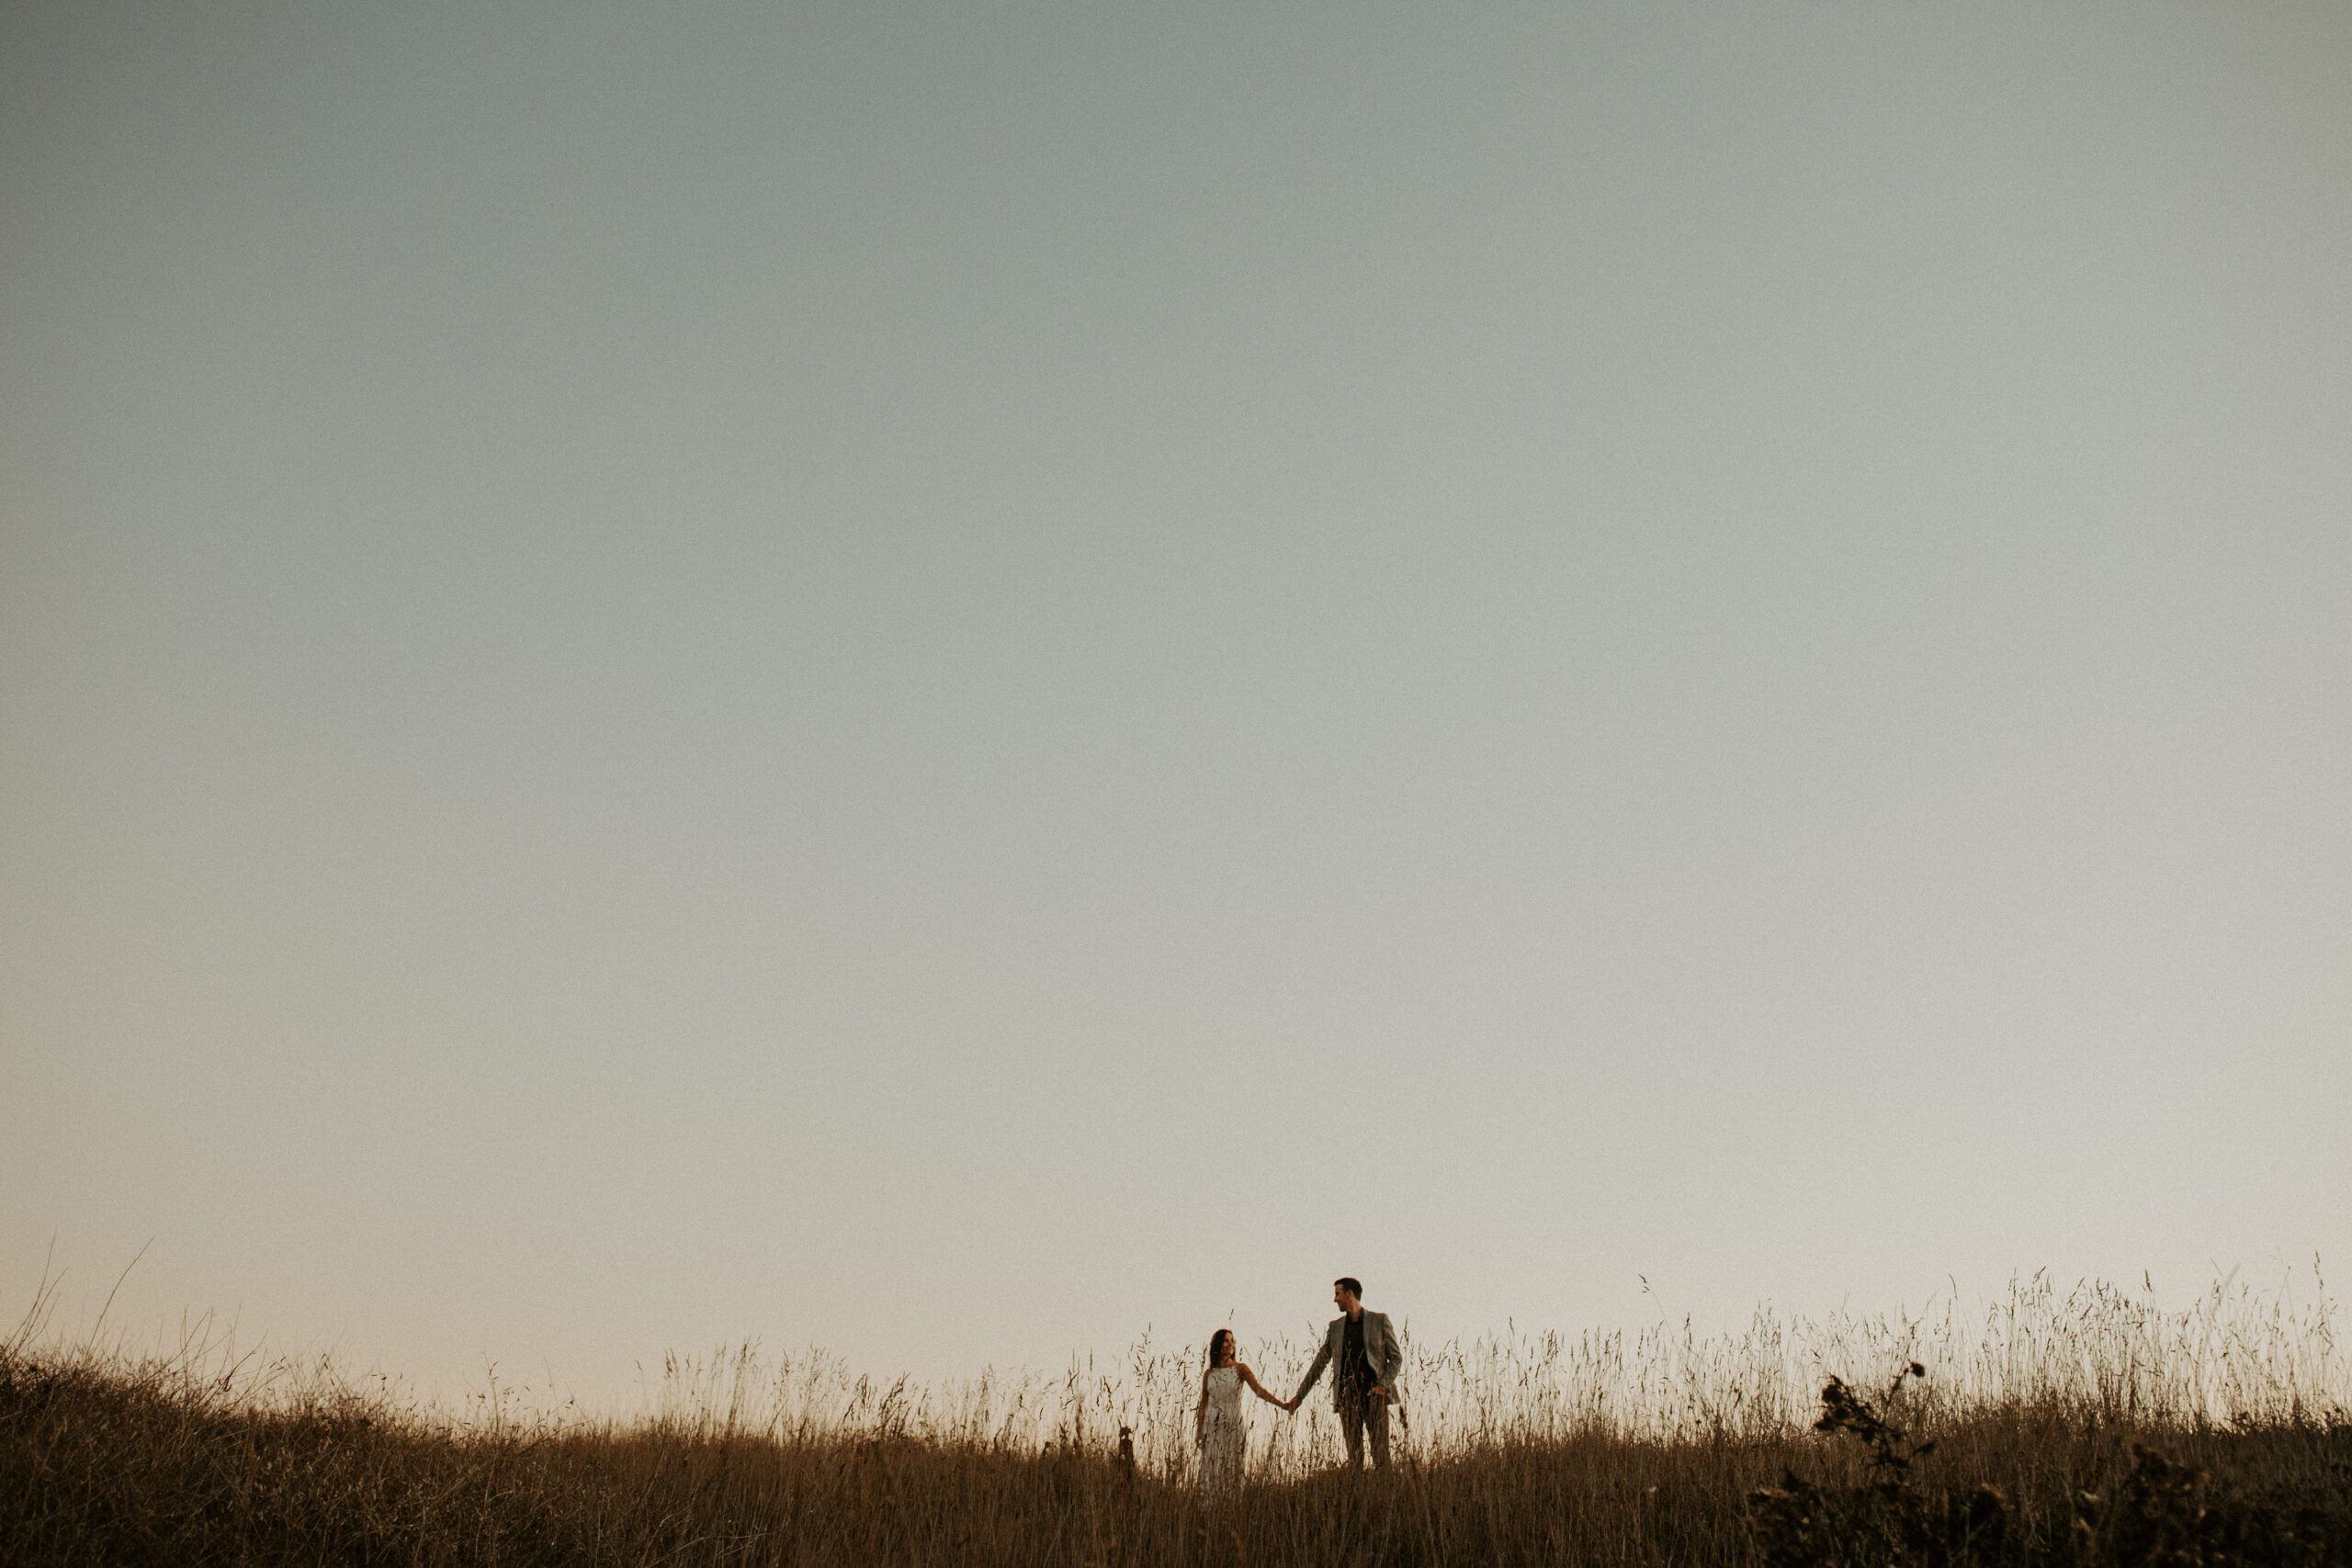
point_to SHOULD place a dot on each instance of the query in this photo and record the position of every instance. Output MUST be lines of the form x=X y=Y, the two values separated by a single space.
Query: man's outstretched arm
x=1314 y=1371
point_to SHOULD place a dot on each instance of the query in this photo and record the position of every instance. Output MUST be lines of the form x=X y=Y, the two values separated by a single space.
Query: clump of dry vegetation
x=2083 y=1428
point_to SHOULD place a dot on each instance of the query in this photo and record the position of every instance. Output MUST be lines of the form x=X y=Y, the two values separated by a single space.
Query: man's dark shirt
x=1355 y=1368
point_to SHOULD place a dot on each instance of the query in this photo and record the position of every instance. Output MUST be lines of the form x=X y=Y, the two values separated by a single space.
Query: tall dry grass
x=2051 y=1428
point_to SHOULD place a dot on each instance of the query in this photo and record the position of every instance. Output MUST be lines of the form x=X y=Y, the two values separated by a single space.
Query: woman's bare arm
x=1258 y=1388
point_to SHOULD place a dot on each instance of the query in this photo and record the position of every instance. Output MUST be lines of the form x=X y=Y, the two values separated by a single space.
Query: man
x=1366 y=1359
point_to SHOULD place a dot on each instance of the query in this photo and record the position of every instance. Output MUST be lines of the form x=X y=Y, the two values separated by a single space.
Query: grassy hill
x=188 y=1458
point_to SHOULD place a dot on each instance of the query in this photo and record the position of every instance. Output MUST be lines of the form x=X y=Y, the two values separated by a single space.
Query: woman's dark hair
x=1219 y=1337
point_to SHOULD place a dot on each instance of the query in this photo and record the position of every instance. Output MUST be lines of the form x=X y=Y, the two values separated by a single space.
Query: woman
x=1216 y=1419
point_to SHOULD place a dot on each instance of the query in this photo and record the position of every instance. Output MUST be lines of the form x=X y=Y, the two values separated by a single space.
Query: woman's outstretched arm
x=1200 y=1412
x=1256 y=1387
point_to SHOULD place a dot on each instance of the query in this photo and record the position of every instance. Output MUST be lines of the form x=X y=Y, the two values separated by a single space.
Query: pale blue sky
x=690 y=673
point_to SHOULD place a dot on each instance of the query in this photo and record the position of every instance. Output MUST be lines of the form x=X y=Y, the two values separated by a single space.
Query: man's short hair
x=1352 y=1286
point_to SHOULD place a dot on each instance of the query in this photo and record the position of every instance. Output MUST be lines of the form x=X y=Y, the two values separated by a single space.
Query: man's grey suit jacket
x=1381 y=1347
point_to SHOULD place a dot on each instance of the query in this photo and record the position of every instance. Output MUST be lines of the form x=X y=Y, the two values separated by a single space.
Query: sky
x=950 y=681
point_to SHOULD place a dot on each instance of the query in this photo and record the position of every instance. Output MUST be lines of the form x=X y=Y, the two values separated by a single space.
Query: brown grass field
x=2081 y=1427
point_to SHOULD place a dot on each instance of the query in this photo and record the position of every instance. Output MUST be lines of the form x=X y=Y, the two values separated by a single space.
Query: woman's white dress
x=1222 y=1436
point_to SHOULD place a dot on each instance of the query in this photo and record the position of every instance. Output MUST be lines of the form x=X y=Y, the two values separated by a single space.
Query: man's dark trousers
x=1356 y=1415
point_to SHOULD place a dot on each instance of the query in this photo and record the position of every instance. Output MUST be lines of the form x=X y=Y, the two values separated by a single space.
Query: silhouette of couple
x=1366 y=1360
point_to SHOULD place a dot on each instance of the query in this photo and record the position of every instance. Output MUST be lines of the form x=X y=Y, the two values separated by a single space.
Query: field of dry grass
x=2080 y=1427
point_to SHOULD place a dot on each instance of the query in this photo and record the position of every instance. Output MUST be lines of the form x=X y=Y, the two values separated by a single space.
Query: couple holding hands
x=1366 y=1360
